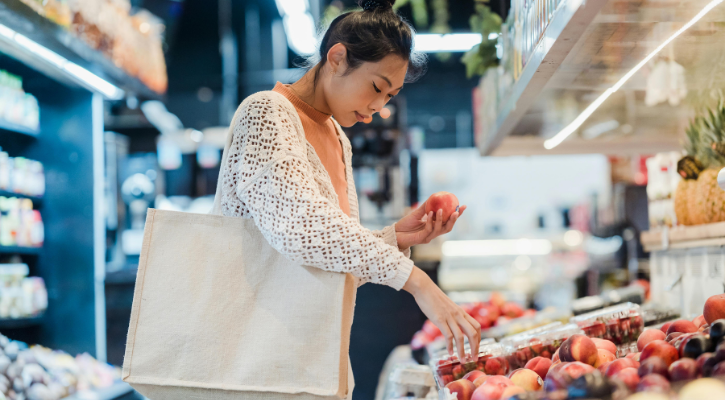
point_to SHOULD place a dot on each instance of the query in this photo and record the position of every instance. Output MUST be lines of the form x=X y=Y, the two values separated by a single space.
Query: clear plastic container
x=447 y=369
x=656 y=314
x=620 y=324
x=521 y=348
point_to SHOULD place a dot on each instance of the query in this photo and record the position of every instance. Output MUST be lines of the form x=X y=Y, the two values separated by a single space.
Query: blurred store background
x=561 y=124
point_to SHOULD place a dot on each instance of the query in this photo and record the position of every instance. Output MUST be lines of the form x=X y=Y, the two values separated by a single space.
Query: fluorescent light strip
x=91 y=80
x=449 y=43
x=578 y=121
x=486 y=248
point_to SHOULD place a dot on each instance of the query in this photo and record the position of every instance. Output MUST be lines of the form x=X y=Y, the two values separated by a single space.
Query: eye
x=376 y=88
x=391 y=95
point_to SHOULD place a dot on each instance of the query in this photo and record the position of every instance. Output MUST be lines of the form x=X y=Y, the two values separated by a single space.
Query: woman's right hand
x=453 y=322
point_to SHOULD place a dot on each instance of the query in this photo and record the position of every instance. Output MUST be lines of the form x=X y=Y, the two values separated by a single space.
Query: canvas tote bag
x=220 y=314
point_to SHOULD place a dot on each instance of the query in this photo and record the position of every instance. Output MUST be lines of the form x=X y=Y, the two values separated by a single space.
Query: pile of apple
x=494 y=312
x=681 y=351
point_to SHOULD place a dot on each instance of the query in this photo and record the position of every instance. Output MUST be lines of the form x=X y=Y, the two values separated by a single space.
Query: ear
x=337 y=58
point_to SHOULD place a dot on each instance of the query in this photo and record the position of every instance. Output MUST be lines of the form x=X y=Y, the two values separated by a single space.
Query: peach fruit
x=649 y=335
x=628 y=376
x=488 y=392
x=633 y=356
x=654 y=383
x=665 y=327
x=527 y=379
x=699 y=321
x=480 y=380
x=604 y=356
x=653 y=365
x=540 y=365
x=447 y=202
x=683 y=369
x=463 y=388
x=579 y=348
x=661 y=349
x=605 y=344
x=473 y=375
x=577 y=369
x=682 y=325
x=714 y=308
x=512 y=391
x=618 y=365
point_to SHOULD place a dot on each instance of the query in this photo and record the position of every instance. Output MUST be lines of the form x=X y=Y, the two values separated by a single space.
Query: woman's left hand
x=418 y=228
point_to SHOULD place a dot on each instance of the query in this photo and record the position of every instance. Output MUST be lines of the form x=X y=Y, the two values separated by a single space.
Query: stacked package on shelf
x=16 y=106
x=21 y=296
x=621 y=324
x=662 y=181
x=20 y=225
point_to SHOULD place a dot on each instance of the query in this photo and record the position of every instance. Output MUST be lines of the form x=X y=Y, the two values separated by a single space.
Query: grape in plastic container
x=521 y=348
x=447 y=369
x=620 y=324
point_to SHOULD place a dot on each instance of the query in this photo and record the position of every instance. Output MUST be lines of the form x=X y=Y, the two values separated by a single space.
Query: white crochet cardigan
x=273 y=175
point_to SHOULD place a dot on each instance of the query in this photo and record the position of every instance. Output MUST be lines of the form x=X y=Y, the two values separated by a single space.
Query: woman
x=289 y=169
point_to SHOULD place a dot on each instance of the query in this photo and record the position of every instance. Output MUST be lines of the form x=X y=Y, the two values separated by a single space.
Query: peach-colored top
x=321 y=134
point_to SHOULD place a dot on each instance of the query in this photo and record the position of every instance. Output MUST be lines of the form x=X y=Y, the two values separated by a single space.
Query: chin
x=346 y=123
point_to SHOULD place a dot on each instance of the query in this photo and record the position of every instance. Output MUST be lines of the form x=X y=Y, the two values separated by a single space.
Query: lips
x=360 y=117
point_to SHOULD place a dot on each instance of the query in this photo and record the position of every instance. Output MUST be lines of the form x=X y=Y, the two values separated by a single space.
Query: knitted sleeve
x=388 y=235
x=275 y=184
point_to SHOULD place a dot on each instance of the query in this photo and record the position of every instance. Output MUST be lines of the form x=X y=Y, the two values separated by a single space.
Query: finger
x=458 y=337
x=429 y=223
x=472 y=329
x=451 y=222
x=448 y=336
x=419 y=212
x=439 y=221
x=461 y=209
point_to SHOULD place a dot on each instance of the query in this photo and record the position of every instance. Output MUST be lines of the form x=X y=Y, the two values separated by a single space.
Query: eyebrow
x=388 y=80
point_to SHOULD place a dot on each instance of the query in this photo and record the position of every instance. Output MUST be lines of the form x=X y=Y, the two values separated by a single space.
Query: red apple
x=463 y=388
x=659 y=348
x=605 y=344
x=649 y=335
x=445 y=201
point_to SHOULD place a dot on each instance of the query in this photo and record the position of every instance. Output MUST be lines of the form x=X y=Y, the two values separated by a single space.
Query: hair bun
x=375 y=5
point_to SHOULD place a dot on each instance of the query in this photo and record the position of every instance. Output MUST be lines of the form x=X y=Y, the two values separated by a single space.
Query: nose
x=377 y=105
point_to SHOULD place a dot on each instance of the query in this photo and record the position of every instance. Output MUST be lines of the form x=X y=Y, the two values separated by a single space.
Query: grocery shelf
x=16 y=323
x=110 y=393
x=32 y=251
x=684 y=237
x=7 y=126
x=565 y=30
x=7 y=193
x=22 y=19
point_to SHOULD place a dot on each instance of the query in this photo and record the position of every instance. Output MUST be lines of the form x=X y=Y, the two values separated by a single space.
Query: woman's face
x=355 y=96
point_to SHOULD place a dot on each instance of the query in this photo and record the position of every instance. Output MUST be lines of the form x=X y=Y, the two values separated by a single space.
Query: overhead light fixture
x=448 y=43
x=486 y=248
x=579 y=120
x=299 y=26
x=80 y=74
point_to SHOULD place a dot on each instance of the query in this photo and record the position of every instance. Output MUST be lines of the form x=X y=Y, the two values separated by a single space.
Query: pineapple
x=682 y=201
x=706 y=135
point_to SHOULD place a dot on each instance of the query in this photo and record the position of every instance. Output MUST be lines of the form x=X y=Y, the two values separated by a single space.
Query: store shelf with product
x=6 y=126
x=47 y=46
x=614 y=91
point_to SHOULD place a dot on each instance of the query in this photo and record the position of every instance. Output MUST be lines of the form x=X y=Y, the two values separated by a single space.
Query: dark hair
x=370 y=35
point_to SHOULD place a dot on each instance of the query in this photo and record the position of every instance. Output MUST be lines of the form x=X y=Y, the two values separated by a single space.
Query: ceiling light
x=578 y=121
x=452 y=42
x=81 y=75
x=485 y=248
x=300 y=30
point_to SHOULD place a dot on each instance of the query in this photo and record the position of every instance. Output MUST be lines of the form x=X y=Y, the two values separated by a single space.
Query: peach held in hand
x=445 y=201
x=579 y=348
x=648 y=336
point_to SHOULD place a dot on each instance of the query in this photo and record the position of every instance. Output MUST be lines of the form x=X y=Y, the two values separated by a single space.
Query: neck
x=310 y=93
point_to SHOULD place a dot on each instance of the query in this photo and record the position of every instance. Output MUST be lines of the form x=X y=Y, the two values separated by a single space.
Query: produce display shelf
x=31 y=251
x=110 y=393
x=7 y=126
x=22 y=19
x=17 y=323
x=684 y=237
x=565 y=30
